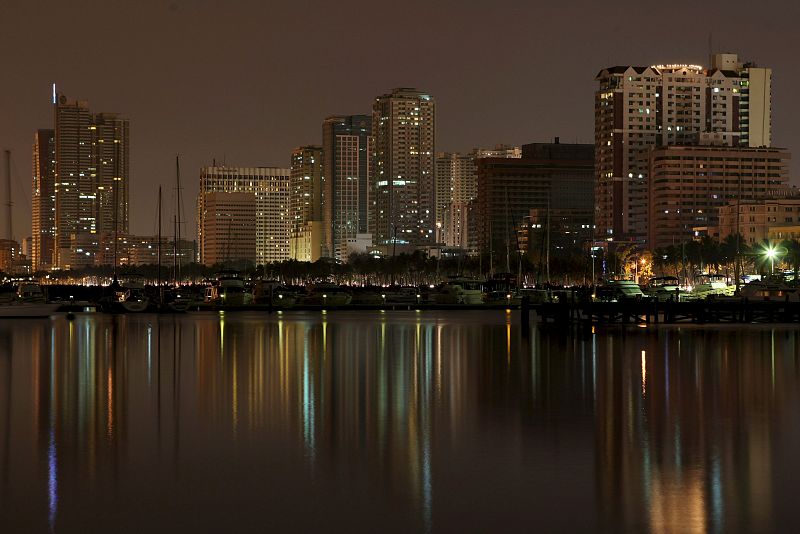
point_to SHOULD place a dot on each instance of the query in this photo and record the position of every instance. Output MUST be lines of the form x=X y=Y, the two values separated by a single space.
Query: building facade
x=637 y=108
x=43 y=201
x=456 y=185
x=549 y=176
x=689 y=184
x=305 y=203
x=228 y=232
x=91 y=175
x=270 y=185
x=348 y=146
x=403 y=123
x=775 y=219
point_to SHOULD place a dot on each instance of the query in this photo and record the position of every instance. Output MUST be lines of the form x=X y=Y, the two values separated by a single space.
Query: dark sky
x=246 y=81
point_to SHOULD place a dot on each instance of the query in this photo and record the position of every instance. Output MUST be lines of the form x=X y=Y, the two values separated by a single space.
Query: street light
x=771 y=253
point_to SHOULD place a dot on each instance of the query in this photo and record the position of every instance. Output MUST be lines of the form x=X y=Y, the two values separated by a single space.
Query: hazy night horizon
x=246 y=82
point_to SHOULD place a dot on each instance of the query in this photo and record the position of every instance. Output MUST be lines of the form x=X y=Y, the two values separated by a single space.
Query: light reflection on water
x=394 y=422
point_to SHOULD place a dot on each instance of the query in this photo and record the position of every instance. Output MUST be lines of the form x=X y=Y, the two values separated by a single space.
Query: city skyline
x=498 y=85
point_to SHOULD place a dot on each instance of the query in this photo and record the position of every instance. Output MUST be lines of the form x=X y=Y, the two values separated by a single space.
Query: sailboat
x=177 y=299
x=129 y=295
x=29 y=299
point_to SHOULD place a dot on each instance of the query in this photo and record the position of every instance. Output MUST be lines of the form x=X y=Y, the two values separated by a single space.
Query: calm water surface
x=395 y=422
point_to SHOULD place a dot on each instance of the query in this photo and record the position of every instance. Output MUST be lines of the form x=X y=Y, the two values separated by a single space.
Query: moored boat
x=327 y=295
x=459 y=291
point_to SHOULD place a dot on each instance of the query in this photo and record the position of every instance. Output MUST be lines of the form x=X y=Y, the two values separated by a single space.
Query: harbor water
x=433 y=421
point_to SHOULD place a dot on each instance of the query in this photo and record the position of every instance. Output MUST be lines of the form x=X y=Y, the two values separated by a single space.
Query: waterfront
x=394 y=421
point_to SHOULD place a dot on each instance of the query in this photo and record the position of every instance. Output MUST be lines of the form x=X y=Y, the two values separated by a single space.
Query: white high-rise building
x=270 y=185
x=638 y=108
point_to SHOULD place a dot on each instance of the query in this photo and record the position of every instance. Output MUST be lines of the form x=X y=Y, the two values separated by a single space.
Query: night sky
x=246 y=81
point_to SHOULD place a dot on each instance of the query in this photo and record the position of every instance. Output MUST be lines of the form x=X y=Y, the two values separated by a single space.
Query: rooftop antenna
x=9 y=203
x=711 y=48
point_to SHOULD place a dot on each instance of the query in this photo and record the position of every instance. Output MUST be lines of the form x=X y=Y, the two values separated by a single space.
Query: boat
x=228 y=290
x=130 y=297
x=503 y=298
x=403 y=295
x=20 y=309
x=617 y=290
x=30 y=292
x=459 y=291
x=176 y=300
x=773 y=287
x=273 y=293
x=711 y=285
x=369 y=296
x=327 y=295
x=28 y=301
x=663 y=288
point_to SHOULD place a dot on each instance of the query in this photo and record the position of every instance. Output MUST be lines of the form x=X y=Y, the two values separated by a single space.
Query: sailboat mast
x=547 y=250
x=178 y=214
x=116 y=210
x=159 y=239
x=508 y=238
x=9 y=203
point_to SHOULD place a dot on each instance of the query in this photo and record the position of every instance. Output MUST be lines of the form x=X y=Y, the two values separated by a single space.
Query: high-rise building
x=348 y=196
x=228 y=233
x=305 y=203
x=456 y=187
x=73 y=168
x=689 y=184
x=549 y=176
x=270 y=185
x=91 y=180
x=403 y=123
x=43 y=201
x=499 y=151
x=112 y=167
x=637 y=108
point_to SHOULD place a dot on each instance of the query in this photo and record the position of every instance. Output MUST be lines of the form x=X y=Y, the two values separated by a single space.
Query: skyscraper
x=228 y=233
x=403 y=123
x=549 y=177
x=270 y=185
x=43 y=201
x=112 y=168
x=91 y=180
x=637 y=108
x=347 y=145
x=457 y=186
x=305 y=203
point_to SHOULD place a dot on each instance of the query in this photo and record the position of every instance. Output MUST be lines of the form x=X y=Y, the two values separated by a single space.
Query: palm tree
x=792 y=256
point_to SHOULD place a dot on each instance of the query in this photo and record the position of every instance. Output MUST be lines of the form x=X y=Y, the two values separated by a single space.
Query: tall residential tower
x=638 y=108
x=91 y=174
x=43 y=201
x=305 y=203
x=347 y=145
x=403 y=123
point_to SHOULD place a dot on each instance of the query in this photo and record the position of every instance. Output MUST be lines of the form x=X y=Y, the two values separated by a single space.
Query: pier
x=708 y=311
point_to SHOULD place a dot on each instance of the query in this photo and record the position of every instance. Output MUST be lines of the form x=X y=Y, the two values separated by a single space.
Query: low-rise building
x=775 y=219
